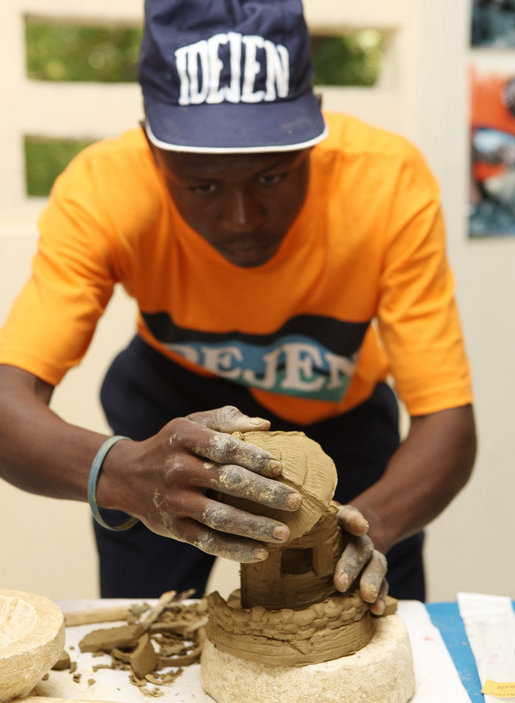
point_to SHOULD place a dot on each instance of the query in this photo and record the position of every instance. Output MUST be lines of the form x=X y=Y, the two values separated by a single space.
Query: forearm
x=423 y=476
x=39 y=452
x=165 y=480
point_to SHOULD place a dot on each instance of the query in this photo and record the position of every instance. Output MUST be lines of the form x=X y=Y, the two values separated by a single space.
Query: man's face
x=242 y=204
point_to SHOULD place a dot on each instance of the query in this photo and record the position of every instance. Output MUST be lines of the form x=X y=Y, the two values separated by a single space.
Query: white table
x=437 y=680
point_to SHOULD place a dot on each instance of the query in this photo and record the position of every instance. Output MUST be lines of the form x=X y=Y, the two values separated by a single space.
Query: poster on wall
x=493 y=23
x=492 y=152
x=492 y=119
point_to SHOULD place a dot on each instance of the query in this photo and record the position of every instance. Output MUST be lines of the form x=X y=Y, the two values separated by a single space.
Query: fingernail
x=260 y=554
x=275 y=467
x=294 y=500
x=281 y=532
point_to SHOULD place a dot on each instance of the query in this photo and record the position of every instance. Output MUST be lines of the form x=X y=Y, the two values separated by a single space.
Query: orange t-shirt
x=359 y=288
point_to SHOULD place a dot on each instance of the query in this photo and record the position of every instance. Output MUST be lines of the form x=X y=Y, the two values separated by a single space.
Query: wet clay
x=111 y=637
x=170 y=634
x=143 y=659
x=334 y=628
x=305 y=467
x=175 y=640
x=299 y=574
x=288 y=612
x=287 y=632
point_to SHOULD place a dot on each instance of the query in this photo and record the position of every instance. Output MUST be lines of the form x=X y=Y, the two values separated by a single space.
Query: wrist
x=94 y=474
x=377 y=530
x=111 y=491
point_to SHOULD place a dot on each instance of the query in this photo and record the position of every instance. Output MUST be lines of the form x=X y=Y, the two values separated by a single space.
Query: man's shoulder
x=121 y=164
x=352 y=136
x=373 y=152
x=128 y=148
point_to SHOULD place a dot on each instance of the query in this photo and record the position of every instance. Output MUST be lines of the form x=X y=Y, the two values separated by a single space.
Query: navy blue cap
x=228 y=76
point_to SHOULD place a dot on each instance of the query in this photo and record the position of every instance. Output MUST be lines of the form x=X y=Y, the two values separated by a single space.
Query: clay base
x=31 y=640
x=381 y=672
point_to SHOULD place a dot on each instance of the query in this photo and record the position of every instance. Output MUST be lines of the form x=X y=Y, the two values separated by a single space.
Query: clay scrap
x=107 y=614
x=106 y=640
x=155 y=644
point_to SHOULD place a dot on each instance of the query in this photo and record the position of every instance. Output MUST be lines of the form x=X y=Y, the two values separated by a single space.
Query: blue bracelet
x=92 y=485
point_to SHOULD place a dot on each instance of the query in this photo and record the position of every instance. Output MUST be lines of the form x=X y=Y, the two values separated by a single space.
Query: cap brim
x=244 y=127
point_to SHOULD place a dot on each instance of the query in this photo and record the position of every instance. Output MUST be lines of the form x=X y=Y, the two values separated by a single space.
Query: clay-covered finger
x=355 y=556
x=234 y=480
x=222 y=448
x=352 y=521
x=372 y=577
x=379 y=606
x=226 y=518
x=221 y=545
x=230 y=419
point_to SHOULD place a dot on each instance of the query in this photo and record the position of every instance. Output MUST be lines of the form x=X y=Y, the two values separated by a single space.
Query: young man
x=261 y=242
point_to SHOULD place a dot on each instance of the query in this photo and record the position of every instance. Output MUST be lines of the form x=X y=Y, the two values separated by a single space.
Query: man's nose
x=241 y=211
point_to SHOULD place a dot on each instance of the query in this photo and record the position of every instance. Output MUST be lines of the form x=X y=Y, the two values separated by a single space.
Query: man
x=260 y=241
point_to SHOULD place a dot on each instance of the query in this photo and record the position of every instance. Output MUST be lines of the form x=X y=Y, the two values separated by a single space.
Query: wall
x=47 y=544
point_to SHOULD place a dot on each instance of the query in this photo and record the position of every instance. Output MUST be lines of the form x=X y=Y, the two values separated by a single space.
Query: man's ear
x=150 y=145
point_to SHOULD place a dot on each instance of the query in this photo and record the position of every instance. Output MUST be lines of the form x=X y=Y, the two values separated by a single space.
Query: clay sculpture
x=287 y=633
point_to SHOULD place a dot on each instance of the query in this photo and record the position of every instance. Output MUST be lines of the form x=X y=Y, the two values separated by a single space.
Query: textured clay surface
x=381 y=672
x=306 y=467
x=335 y=628
x=31 y=641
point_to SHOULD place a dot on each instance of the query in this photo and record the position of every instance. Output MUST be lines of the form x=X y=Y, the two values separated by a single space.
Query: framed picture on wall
x=492 y=119
x=493 y=23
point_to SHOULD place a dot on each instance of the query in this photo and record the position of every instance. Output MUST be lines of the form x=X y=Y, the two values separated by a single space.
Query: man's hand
x=174 y=475
x=360 y=559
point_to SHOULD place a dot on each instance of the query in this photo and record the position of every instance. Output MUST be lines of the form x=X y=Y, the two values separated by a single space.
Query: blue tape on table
x=447 y=618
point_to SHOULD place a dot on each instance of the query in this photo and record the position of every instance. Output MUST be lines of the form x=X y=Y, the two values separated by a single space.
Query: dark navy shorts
x=143 y=390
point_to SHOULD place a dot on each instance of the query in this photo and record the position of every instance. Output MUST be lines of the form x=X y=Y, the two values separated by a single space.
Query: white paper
x=437 y=679
x=490 y=626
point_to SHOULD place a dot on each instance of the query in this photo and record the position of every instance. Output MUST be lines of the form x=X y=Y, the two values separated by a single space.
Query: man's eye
x=271 y=180
x=204 y=188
